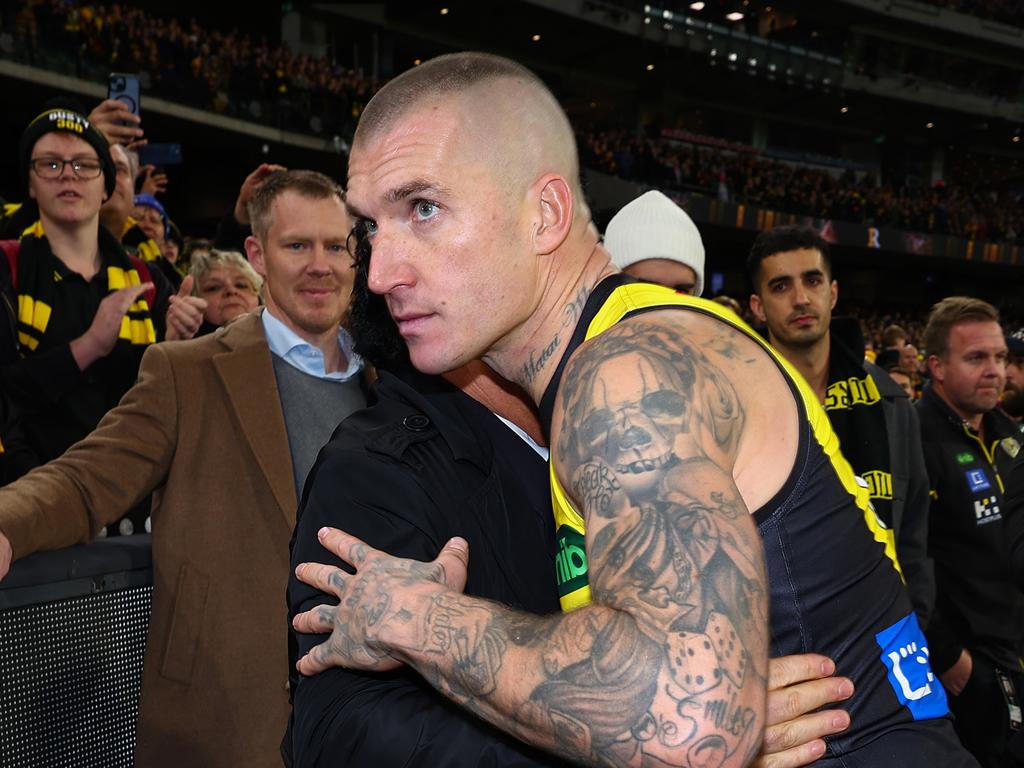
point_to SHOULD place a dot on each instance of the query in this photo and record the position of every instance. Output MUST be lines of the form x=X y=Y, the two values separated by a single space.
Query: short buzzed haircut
x=951 y=311
x=452 y=74
x=781 y=240
x=457 y=74
x=309 y=184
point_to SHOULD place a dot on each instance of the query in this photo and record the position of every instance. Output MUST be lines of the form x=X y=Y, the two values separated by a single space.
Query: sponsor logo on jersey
x=986 y=510
x=571 y=561
x=905 y=656
x=977 y=480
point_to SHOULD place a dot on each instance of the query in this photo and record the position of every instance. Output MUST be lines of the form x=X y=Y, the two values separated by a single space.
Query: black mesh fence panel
x=70 y=675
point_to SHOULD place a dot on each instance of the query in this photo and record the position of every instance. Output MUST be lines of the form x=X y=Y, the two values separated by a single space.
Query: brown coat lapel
x=245 y=351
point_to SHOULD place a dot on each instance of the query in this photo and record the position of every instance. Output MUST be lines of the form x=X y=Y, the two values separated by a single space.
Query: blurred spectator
x=173 y=245
x=223 y=286
x=156 y=225
x=73 y=355
x=902 y=379
x=229 y=284
x=1013 y=392
x=894 y=337
x=908 y=357
x=653 y=239
x=731 y=303
x=115 y=213
x=193 y=247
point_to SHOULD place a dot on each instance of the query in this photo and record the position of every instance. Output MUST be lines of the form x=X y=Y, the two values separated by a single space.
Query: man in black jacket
x=794 y=295
x=972 y=450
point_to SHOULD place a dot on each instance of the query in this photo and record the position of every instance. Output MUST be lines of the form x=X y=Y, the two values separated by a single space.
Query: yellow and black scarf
x=39 y=272
x=144 y=245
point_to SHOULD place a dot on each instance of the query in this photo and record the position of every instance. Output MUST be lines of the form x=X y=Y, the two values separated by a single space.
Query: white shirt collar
x=299 y=353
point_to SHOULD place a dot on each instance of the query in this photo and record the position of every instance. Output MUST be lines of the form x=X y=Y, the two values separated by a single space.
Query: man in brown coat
x=218 y=429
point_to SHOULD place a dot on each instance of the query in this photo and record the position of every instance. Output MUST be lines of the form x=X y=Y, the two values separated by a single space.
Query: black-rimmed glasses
x=53 y=167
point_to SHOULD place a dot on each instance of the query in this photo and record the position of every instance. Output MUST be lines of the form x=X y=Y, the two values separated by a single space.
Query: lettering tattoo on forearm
x=465 y=635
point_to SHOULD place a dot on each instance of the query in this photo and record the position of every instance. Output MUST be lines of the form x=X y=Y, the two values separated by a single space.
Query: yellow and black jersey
x=835 y=585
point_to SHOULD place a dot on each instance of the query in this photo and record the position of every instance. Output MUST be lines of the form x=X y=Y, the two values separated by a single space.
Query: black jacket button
x=416 y=423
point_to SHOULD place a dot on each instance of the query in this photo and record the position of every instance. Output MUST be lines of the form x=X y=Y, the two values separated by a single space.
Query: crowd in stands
x=232 y=73
x=227 y=72
x=746 y=176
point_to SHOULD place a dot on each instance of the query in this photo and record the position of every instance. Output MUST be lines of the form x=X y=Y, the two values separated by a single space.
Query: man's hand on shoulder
x=378 y=604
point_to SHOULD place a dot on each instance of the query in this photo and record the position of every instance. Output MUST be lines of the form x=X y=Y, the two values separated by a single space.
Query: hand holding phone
x=117 y=124
x=119 y=117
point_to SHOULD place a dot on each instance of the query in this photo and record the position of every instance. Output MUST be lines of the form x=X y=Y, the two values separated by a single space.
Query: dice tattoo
x=698 y=660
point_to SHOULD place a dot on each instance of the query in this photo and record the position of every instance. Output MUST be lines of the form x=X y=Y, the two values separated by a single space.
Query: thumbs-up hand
x=184 y=312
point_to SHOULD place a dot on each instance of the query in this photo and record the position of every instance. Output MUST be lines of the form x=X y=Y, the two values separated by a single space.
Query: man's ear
x=757 y=308
x=254 y=252
x=834 y=289
x=936 y=368
x=554 y=198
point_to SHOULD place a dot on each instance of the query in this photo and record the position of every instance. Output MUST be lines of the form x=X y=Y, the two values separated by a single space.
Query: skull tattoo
x=633 y=406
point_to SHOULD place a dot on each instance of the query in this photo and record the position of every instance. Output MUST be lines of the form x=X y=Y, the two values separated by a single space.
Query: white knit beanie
x=653 y=227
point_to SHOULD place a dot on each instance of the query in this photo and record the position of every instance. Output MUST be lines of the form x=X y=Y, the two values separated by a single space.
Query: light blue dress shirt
x=299 y=353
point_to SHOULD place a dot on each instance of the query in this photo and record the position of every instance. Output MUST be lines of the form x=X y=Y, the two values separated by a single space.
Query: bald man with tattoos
x=704 y=514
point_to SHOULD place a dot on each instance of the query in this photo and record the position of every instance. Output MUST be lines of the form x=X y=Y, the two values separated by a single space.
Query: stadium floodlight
x=734 y=16
x=698 y=6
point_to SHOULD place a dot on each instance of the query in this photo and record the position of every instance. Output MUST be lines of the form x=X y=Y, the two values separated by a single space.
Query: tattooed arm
x=669 y=662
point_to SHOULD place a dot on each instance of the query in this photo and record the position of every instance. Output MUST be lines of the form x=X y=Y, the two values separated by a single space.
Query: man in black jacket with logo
x=972 y=449
x=794 y=295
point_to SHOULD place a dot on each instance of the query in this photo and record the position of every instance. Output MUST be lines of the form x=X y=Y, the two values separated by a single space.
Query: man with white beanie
x=653 y=239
